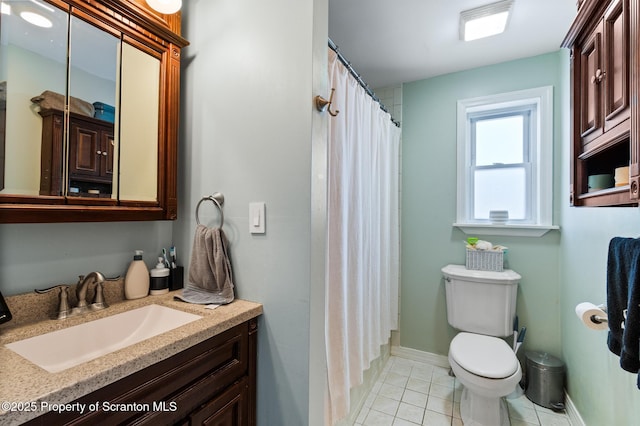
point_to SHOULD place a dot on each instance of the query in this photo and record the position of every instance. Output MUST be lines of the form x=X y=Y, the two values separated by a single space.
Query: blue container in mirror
x=104 y=112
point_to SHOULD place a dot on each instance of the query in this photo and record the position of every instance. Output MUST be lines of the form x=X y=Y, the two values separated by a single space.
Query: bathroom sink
x=62 y=349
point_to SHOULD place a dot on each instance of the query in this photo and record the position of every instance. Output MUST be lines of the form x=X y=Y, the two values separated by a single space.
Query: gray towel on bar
x=210 y=274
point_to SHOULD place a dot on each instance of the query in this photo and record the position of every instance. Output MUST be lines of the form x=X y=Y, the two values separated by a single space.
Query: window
x=505 y=154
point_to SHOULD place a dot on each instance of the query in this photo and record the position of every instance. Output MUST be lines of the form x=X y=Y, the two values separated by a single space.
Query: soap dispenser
x=159 y=278
x=136 y=282
x=5 y=313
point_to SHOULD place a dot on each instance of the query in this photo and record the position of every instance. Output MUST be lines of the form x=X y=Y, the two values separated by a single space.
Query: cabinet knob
x=598 y=77
x=98 y=152
x=104 y=153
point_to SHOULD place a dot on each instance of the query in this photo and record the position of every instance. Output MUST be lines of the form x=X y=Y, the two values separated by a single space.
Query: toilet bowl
x=481 y=305
x=488 y=370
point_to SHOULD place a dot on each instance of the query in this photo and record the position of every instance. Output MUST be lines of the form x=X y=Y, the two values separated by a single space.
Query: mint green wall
x=559 y=270
x=603 y=393
x=429 y=208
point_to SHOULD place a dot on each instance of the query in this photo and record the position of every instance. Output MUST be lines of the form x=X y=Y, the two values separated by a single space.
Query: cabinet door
x=590 y=65
x=84 y=145
x=108 y=144
x=616 y=54
x=51 y=153
x=229 y=409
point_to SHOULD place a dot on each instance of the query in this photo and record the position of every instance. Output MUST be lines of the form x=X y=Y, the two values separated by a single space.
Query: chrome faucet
x=81 y=291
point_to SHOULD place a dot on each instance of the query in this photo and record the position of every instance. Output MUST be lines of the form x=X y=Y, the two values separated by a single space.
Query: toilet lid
x=484 y=356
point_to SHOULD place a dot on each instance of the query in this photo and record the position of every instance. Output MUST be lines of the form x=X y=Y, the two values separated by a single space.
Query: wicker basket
x=485 y=260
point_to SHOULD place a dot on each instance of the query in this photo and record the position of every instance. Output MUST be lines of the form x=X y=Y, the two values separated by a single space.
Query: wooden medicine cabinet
x=605 y=75
x=89 y=112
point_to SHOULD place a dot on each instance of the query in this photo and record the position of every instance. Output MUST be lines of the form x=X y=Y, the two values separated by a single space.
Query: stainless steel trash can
x=544 y=384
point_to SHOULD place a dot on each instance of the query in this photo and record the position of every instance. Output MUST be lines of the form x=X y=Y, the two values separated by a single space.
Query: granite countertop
x=22 y=382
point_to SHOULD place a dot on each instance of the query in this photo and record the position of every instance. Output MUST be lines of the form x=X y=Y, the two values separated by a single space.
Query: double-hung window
x=505 y=163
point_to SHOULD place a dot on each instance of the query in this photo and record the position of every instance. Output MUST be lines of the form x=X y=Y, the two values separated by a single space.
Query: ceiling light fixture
x=36 y=19
x=166 y=7
x=485 y=21
x=5 y=8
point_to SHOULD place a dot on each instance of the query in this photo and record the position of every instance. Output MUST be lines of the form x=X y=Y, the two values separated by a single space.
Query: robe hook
x=325 y=105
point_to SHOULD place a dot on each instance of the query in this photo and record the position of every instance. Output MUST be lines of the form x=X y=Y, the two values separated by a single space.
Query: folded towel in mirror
x=52 y=100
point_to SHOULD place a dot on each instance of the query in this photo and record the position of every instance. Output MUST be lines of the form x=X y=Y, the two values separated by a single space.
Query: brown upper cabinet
x=604 y=130
x=91 y=155
x=90 y=108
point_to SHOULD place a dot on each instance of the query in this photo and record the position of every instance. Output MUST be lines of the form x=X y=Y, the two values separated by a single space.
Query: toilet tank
x=481 y=302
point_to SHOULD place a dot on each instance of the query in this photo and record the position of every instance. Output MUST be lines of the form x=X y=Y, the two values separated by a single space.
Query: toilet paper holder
x=592 y=316
x=597 y=319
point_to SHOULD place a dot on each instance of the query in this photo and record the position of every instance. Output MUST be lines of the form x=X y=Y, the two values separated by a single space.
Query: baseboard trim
x=572 y=412
x=416 y=355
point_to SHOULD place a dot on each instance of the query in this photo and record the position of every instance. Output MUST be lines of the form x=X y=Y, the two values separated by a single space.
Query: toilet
x=482 y=306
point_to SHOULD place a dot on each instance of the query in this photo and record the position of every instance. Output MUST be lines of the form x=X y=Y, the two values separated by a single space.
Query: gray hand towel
x=210 y=274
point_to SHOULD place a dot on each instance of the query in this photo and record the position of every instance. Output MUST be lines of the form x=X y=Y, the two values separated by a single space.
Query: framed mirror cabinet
x=89 y=108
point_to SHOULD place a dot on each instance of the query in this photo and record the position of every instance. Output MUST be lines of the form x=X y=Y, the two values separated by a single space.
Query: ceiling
x=92 y=50
x=393 y=42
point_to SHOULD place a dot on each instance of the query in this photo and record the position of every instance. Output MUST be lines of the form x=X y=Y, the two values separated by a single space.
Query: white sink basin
x=66 y=348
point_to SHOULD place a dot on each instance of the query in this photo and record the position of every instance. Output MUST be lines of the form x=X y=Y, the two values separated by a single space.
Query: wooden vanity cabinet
x=91 y=149
x=211 y=383
x=602 y=69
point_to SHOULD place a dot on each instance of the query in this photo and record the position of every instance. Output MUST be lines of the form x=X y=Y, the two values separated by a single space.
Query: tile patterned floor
x=410 y=393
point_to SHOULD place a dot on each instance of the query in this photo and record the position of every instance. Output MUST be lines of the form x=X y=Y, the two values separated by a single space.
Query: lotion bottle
x=136 y=282
x=159 y=279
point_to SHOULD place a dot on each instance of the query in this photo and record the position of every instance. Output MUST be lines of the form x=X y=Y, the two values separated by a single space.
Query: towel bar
x=217 y=199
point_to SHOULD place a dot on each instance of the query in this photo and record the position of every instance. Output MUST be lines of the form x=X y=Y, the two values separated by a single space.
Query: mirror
x=92 y=145
x=88 y=112
x=31 y=61
x=139 y=125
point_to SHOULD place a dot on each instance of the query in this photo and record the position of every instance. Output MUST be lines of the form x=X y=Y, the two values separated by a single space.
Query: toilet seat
x=484 y=356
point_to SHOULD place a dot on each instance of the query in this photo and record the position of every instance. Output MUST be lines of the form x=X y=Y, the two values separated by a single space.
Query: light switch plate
x=257 y=217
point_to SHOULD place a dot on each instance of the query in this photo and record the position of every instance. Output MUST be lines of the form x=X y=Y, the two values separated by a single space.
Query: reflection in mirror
x=140 y=107
x=93 y=75
x=3 y=123
x=33 y=59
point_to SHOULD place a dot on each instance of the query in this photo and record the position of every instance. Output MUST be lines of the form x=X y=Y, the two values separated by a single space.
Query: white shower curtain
x=363 y=243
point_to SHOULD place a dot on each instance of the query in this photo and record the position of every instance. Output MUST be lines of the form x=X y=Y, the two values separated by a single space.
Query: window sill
x=510 y=230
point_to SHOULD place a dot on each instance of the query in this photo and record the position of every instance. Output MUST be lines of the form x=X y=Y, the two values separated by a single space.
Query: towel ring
x=218 y=200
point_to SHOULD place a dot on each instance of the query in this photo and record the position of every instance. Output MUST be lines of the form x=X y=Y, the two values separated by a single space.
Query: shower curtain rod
x=359 y=79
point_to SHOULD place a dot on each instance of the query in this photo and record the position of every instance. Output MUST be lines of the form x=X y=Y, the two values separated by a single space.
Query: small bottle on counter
x=136 y=282
x=159 y=278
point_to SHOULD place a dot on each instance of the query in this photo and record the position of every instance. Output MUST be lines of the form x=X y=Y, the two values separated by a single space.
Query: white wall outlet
x=257 y=218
